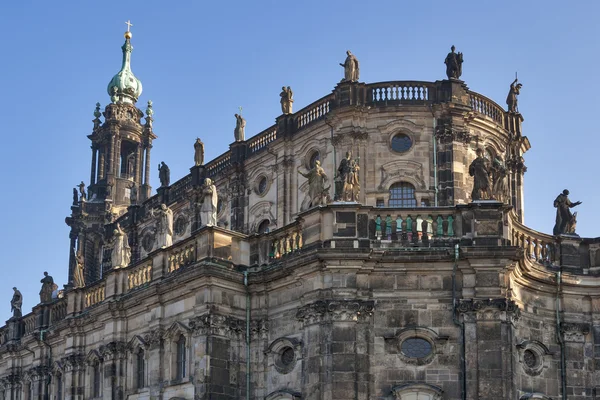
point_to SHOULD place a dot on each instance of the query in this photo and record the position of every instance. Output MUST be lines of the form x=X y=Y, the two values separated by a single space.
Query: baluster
x=378 y=227
x=419 y=228
x=451 y=222
x=300 y=243
x=537 y=250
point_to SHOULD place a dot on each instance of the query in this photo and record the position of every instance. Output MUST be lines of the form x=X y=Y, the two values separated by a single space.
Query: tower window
x=402 y=194
x=96 y=379
x=181 y=357
x=401 y=143
x=140 y=364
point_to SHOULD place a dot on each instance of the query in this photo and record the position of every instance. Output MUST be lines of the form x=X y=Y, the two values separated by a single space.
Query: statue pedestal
x=198 y=175
x=570 y=255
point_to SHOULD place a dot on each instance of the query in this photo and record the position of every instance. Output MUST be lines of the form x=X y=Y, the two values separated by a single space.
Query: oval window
x=401 y=143
x=262 y=185
x=416 y=347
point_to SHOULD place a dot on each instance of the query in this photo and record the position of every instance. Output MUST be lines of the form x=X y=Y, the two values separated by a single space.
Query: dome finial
x=128 y=33
x=124 y=87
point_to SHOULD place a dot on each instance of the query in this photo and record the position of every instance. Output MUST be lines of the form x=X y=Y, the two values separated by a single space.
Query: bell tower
x=120 y=170
x=121 y=145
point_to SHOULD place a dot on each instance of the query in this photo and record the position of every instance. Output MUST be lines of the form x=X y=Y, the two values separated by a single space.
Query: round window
x=287 y=356
x=401 y=143
x=416 y=347
x=530 y=358
x=180 y=225
x=262 y=185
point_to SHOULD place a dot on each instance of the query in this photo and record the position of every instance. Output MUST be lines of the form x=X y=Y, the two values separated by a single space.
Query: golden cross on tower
x=240 y=107
x=129 y=25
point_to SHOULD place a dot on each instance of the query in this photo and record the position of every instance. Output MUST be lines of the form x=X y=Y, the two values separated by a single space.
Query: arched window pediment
x=284 y=394
x=417 y=391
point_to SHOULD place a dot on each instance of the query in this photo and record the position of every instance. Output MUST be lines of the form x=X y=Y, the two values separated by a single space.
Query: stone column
x=217 y=367
x=147 y=174
x=489 y=347
x=336 y=340
x=101 y=164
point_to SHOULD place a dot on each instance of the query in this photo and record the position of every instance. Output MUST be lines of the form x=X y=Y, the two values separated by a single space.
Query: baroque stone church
x=368 y=246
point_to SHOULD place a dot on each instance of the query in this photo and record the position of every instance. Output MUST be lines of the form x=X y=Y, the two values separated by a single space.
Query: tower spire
x=124 y=87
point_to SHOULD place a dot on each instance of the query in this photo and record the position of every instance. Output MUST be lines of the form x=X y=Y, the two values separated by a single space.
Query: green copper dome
x=124 y=86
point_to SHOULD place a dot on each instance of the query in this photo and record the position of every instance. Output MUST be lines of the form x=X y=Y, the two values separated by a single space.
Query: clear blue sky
x=199 y=61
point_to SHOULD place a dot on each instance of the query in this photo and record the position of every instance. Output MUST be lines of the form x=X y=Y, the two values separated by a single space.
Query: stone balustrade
x=413 y=226
x=181 y=256
x=59 y=310
x=94 y=294
x=401 y=92
x=285 y=241
x=313 y=112
x=139 y=276
x=260 y=141
x=487 y=107
x=28 y=323
x=537 y=246
x=219 y=164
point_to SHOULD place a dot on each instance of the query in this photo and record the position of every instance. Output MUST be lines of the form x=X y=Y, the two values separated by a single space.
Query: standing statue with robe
x=453 y=63
x=565 y=221
x=79 y=272
x=164 y=174
x=287 y=98
x=121 y=253
x=210 y=200
x=48 y=286
x=164 y=231
x=16 y=303
x=198 y=152
x=317 y=192
x=351 y=189
x=351 y=68
x=480 y=171
x=499 y=180
x=511 y=99
x=239 y=132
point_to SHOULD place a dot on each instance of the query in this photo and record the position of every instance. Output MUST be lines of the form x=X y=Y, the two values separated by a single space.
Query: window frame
x=404 y=189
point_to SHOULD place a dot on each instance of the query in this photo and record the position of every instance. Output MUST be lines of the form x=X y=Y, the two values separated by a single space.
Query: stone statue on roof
x=351 y=68
x=453 y=63
x=16 y=303
x=287 y=98
x=240 y=128
x=164 y=174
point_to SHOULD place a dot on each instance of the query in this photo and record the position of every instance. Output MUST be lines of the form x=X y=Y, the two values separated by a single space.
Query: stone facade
x=413 y=292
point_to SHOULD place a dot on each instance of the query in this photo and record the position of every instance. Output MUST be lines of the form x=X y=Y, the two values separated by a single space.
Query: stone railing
x=28 y=323
x=178 y=189
x=139 y=276
x=94 y=294
x=218 y=164
x=3 y=335
x=487 y=107
x=59 y=311
x=260 y=141
x=284 y=241
x=418 y=226
x=313 y=112
x=537 y=246
x=401 y=92
x=181 y=255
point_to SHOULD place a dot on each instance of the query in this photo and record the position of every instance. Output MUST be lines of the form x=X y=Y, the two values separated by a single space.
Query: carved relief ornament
x=402 y=170
x=336 y=310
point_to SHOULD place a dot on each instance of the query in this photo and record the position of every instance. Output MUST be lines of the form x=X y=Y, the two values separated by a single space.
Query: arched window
x=263 y=227
x=181 y=357
x=140 y=367
x=402 y=194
